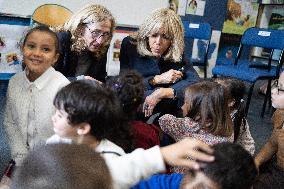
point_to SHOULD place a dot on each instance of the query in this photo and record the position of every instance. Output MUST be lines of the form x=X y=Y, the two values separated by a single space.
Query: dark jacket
x=151 y=66
x=68 y=60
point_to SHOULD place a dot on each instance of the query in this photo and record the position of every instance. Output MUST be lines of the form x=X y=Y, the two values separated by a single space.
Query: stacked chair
x=202 y=32
x=249 y=70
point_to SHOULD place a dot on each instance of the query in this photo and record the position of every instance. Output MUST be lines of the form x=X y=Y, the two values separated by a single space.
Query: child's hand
x=177 y=154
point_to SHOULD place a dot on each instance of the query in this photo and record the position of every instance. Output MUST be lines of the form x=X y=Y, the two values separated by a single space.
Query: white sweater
x=29 y=108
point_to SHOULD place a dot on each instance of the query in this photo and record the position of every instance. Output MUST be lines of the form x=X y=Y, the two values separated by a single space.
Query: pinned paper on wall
x=195 y=7
x=181 y=7
x=10 y=36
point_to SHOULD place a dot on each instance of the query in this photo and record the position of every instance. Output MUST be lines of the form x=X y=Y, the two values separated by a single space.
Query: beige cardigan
x=275 y=144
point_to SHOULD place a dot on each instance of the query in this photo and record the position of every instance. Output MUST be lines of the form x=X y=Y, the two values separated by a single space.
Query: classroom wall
x=126 y=12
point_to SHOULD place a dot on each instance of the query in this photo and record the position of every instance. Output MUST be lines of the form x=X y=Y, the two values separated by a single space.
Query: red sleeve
x=145 y=135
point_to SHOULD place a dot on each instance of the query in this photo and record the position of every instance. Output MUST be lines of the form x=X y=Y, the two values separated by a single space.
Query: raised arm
x=268 y=150
x=128 y=169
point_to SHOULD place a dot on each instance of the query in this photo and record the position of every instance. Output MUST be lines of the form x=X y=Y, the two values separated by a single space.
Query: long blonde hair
x=173 y=27
x=76 y=26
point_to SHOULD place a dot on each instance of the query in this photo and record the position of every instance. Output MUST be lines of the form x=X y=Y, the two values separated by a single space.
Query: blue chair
x=202 y=32
x=250 y=70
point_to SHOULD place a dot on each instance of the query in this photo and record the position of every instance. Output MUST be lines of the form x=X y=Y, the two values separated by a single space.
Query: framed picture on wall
x=12 y=30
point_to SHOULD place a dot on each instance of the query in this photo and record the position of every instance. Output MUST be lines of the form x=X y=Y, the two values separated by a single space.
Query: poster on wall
x=195 y=7
x=11 y=32
x=241 y=14
x=113 y=64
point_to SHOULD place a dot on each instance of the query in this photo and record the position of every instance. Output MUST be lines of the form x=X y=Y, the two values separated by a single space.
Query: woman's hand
x=170 y=76
x=151 y=101
x=177 y=154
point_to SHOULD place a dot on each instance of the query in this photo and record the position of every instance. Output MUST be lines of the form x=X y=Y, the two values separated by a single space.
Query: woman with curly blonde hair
x=157 y=53
x=84 y=40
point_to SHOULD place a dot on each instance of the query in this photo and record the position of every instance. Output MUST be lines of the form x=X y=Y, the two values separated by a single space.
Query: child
x=62 y=166
x=206 y=115
x=236 y=90
x=89 y=102
x=233 y=168
x=90 y=114
x=31 y=92
x=272 y=176
x=129 y=88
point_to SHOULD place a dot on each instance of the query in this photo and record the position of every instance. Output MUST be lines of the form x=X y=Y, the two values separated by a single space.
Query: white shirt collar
x=40 y=82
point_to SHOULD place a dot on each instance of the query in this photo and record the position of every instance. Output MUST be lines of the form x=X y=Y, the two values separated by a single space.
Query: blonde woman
x=84 y=40
x=157 y=53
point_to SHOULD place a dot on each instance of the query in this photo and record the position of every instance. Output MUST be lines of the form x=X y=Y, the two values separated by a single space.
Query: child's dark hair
x=208 y=105
x=236 y=90
x=87 y=101
x=129 y=88
x=42 y=28
x=233 y=167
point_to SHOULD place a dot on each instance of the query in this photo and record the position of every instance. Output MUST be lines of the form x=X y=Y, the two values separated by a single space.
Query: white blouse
x=29 y=107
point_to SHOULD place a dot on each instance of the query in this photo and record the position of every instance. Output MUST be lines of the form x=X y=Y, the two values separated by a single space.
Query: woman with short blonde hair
x=172 y=25
x=157 y=53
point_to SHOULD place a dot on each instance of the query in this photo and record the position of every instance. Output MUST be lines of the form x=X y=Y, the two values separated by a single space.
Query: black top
x=148 y=67
x=69 y=60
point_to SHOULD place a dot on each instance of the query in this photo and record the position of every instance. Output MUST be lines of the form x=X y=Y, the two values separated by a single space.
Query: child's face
x=61 y=126
x=277 y=93
x=39 y=53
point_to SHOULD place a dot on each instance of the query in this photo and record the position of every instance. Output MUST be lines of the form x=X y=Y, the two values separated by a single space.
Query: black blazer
x=68 y=60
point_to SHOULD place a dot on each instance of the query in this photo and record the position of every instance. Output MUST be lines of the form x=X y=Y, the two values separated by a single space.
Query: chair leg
x=267 y=96
x=249 y=98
